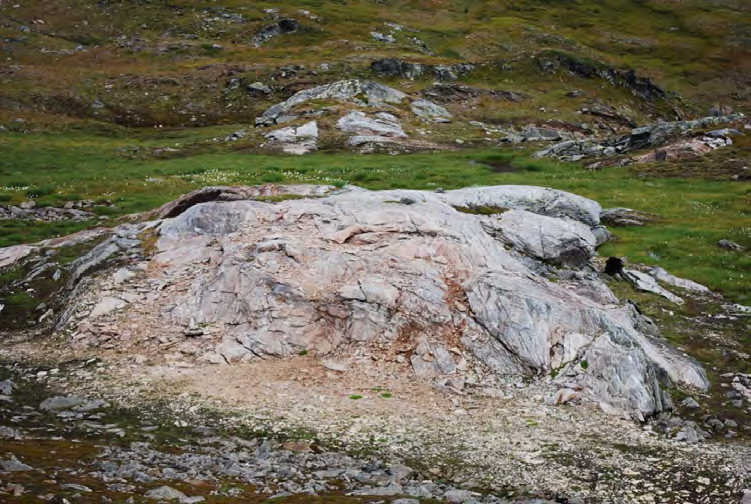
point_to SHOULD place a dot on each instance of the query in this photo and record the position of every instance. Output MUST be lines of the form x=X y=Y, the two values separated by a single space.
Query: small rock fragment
x=730 y=245
x=690 y=403
x=165 y=492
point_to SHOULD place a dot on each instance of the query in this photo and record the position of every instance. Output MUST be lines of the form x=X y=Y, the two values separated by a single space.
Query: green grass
x=694 y=214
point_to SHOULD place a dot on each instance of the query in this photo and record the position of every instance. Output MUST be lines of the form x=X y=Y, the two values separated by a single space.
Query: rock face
x=626 y=217
x=378 y=118
x=397 y=271
x=409 y=70
x=383 y=124
x=644 y=87
x=301 y=140
x=365 y=93
x=44 y=214
x=283 y=26
x=380 y=129
x=560 y=241
x=670 y=140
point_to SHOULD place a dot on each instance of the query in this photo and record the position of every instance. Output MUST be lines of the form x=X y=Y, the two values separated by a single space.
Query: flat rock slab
x=60 y=403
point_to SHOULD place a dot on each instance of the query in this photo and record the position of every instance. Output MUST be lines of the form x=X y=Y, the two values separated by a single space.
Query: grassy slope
x=147 y=61
x=695 y=214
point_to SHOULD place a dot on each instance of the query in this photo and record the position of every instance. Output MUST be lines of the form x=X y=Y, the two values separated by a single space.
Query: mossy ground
x=703 y=330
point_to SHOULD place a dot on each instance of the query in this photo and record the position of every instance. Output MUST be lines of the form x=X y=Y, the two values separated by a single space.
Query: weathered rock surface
x=165 y=493
x=363 y=93
x=669 y=140
x=561 y=241
x=300 y=140
x=375 y=119
x=644 y=282
x=410 y=70
x=382 y=125
x=44 y=214
x=6 y=387
x=14 y=465
x=539 y=200
x=689 y=285
x=359 y=268
x=643 y=87
x=283 y=26
x=625 y=217
x=726 y=244
x=429 y=110
x=61 y=403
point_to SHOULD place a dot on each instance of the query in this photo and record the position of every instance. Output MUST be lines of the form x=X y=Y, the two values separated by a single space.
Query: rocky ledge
x=453 y=286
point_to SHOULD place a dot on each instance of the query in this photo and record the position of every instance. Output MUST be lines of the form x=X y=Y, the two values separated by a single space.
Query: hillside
x=187 y=63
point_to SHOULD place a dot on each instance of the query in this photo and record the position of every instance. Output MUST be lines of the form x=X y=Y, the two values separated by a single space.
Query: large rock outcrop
x=364 y=93
x=408 y=273
x=368 y=112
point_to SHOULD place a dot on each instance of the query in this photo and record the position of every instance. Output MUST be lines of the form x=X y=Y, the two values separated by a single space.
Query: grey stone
x=107 y=305
x=232 y=350
x=534 y=133
x=458 y=496
x=383 y=125
x=423 y=367
x=8 y=433
x=300 y=140
x=283 y=26
x=690 y=403
x=386 y=491
x=166 y=493
x=94 y=405
x=678 y=136
x=76 y=487
x=665 y=277
x=374 y=93
x=730 y=245
x=401 y=473
x=444 y=360
x=551 y=239
x=334 y=366
x=715 y=424
x=123 y=275
x=721 y=133
x=7 y=387
x=259 y=87
x=647 y=283
x=625 y=217
x=429 y=110
x=358 y=140
x=14 y=465
x=602 y=235
x=380 y=37
x=60 y=403
x=688 y=434
x=539 y=200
